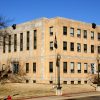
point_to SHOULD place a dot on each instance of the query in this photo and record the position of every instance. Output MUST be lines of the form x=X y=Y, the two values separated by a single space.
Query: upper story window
x=72 y=67
x=9 y=45
x=64 y=30
x=85 y=67
x=28 y=40
x=99 y=49
x=78 y=32
x=79 y=67
x=34 y=67
x=35 y=39
x=51 y=30
x=64 y=67
x=51 y=45
x=4 y=44
x=64 y=45
x=92 y=35
x=21 y=41
x=85 y=48
x=71 y=46
x=78 y=47
x=92 y=48
x=99 y=36
x=85 y=33
x=15 y=42
x=71 y=31
x=51 y=67
x=27 y=67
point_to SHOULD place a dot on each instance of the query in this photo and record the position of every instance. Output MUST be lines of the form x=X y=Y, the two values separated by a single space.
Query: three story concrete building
x=33 y=50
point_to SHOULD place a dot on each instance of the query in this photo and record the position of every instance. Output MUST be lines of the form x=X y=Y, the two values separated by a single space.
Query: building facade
x=33 y=50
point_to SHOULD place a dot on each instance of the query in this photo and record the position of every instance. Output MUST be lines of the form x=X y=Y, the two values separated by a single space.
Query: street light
x=58 y=92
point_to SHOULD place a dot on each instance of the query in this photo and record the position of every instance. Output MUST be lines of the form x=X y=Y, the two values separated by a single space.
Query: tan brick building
x=34 y=53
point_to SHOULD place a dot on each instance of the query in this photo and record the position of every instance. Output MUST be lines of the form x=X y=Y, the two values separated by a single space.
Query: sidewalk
x=66 y=96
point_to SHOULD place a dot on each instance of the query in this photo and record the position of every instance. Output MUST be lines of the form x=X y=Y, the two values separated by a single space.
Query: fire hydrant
x=9 y=97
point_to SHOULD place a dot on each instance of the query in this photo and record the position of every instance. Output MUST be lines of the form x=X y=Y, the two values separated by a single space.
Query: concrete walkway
x=66 y=96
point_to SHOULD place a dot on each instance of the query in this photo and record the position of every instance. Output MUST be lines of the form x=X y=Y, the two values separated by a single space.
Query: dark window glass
x=85 y=48
x=92 y=48
x=9 y=45
x=51 y=67
x=64 y=45
x=85 y=34
x=65 y=67
x=28 y=40
x=27 y=67
x=99 y=36
x=64 y=30
x=71 y=46
x=15 y=42
x=78 y=47
x=99 y=49
x=21 y=41
x=4 y=47
x=34 y=67
x=35 y=39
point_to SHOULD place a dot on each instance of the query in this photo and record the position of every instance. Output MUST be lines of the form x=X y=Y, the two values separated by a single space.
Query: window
x=85 y=48
x=4 y=42
x=71 y=31
x=78 y=47
x=98 y=68
x=79 y=82
x=99 y=49
x=51 y=45
x=9 y=45
x=51 y=82
x=27 y=81
x=79 y=67
x=71 y=46
x=85 y=34
x=72 y=67
x=51 y=67
x=64 y=30
x=64 y=67
x=28 y=40
x=35 y=39
x=51 y=30
x=85 y=82
x=99 y=36
x=92 y=48
x=92 y=35
x=34 y=67
x=64 y=82
x=34 y=81
x=72 y=82
x=85 y=67
x=92 y=68
x=15 y=42
x=15 y=67
x=64 y=45
x=27 y=67
x=78 y=33
x=21 y=41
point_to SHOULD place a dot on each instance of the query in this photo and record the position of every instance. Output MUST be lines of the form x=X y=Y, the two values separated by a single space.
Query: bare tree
x=4 y=30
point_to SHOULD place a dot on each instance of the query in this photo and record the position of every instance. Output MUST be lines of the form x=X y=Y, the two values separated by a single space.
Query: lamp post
x=58 y=91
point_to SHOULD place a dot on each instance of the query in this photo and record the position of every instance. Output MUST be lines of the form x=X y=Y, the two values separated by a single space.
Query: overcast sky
x=26 y=10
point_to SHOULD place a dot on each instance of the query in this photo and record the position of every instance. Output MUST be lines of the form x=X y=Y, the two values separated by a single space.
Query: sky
x=25 y=10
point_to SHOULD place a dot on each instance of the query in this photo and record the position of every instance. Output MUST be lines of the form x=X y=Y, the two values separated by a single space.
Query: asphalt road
x=87 y=98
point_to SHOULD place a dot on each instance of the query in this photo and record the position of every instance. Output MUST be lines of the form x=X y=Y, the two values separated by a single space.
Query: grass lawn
x=23 y=90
